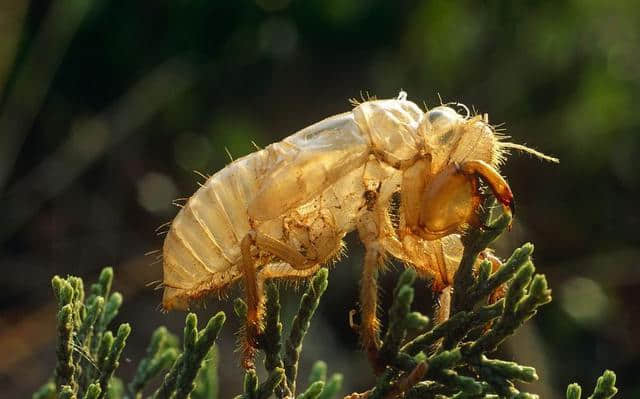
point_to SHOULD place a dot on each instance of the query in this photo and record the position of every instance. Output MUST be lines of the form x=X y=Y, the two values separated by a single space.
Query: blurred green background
x=107 y=106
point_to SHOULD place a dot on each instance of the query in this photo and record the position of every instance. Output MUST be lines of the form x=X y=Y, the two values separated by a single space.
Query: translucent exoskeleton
x=282 y=212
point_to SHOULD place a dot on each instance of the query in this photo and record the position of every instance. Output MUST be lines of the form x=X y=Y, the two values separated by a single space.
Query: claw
x=497 y=183
x=508 y=203
x=512 y=212
x=509 y=209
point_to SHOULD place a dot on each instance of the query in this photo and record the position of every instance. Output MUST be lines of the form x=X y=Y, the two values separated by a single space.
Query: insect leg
x=371 y=231
x=284 y=252
x=254 y=285
x=370 y=325
x=255 y=299
x=497 y=183
x=285 y=271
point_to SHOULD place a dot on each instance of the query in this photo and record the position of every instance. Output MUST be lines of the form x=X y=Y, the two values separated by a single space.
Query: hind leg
x=370 y=325
x=254 y=298
x=374 y=228
x=254 y=283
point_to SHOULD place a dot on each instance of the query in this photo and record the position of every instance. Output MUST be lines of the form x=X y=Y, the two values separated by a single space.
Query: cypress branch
x=111 y=309
x=271 y=339
x=398 y=313
x=62 y=291
x=208 y=336
x=159 y=356
x=605 y=386
x=300 y=325
x=112 y=360
x=510 y=370
x=497 y=382
x=168 y=386
x=207 y=378
x=466 y=386
x=313 y=392
x=196 y=346
x=318 y=372
x=104 y=349
x=65 y=368
x=424 y=341
x=444 y=360
x=116 y=389
x=184 y=384
x=77 y=300
x=475 y=241
x=94 y=309
x=268 y=386
x=519 y=306
x=574 y=391
x=156 y=343
x=103 y=286
x=331 y=387
x=424 y=389
x=457 y=368
x=488 y=284
x=517 y=289
x=93 y=392
x=384 y=384
x=66 y=392
x=539 y=294
x=525 y=294
x=484 y=271
x=416 y=321
x=250 y=384
x=459 y=324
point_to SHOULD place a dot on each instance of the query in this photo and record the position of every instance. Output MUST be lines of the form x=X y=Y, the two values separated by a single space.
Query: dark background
x=107 y=106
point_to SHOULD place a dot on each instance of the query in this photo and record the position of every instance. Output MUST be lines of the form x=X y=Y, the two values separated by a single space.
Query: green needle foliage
x=420 y=358
x=301 y=322
x=179 y=382
x=450 y=360
x=283 y=368
x=89 y=353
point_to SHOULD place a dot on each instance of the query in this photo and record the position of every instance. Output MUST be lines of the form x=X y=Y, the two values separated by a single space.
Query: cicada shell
x=282 y=212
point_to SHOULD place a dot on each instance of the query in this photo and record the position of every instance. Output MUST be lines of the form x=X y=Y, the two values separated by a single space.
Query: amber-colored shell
x=308 y=191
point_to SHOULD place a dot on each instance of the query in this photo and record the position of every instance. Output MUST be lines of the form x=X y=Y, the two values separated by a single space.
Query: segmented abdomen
x=202 y=248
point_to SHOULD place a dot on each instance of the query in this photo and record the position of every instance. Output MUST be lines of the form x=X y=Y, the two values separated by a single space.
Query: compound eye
x=443 y=118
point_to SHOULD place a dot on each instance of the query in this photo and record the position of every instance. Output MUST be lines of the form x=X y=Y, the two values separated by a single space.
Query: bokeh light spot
x=155 y=192
x=584 y=300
